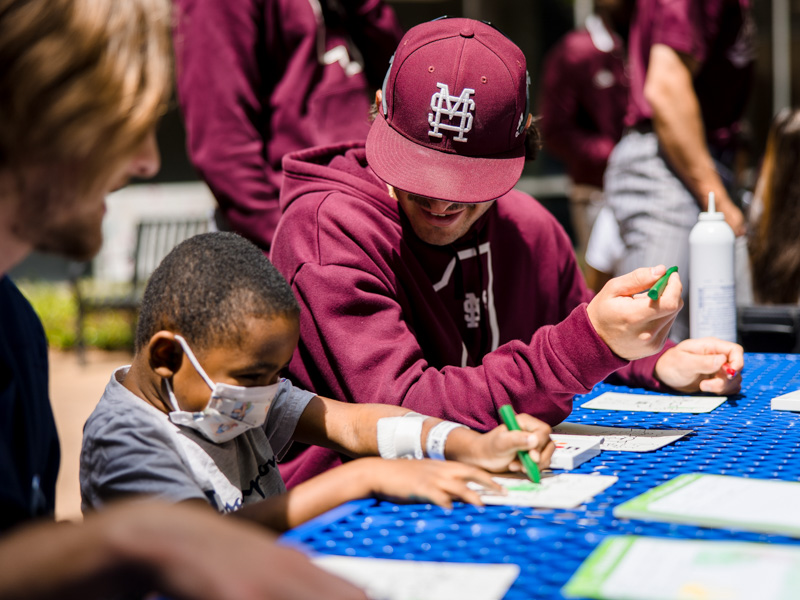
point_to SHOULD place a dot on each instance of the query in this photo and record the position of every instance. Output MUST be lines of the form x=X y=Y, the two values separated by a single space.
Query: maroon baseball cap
x=452 y=121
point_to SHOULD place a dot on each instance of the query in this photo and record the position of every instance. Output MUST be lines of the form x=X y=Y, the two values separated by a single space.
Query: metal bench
x=154 y=239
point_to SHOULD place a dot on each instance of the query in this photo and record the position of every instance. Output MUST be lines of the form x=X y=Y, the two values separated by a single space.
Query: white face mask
x=231 y=409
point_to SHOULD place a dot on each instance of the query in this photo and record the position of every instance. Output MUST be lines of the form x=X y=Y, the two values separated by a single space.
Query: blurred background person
x=583 y=98
x=691 y=67
x=773 y=243
x=257 y=79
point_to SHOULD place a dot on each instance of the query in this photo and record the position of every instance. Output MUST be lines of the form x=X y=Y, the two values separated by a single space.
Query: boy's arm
x=404 y=480
x=352 y=429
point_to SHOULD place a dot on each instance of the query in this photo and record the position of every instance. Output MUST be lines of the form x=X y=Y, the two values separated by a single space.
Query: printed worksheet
x=385 y=579
x=625 y=439
x=642 y=568
x=654 y=403
x=760 y=505
x=566 y=490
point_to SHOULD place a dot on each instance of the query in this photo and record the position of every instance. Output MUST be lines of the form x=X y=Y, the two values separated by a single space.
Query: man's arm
x=221 y=87
x=678 y=123
x=182 y=551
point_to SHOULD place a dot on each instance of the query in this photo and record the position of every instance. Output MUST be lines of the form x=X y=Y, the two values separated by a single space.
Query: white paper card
x=385 y=579
x=790 y=401
x=640 y=568
x=566 y=490
x=625 y=439
x=654 y=403
x=573 y=450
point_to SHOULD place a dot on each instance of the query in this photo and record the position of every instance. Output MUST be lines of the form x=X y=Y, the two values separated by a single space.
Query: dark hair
x=774 y=244
x=207 y=286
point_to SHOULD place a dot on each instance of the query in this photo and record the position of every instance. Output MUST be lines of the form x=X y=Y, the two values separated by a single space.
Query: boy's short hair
x=207 y=286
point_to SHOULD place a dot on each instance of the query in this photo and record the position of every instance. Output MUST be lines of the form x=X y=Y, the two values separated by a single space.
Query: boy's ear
x=165 y=354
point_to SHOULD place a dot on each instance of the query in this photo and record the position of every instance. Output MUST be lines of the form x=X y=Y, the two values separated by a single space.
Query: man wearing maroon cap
x=426 y=281
x=691 y=69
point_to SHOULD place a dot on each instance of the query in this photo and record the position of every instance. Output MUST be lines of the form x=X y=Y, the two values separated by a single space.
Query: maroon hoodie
x=451 y=331
x=257 y=79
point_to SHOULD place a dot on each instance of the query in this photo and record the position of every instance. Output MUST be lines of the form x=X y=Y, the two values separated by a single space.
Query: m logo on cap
x=460 y=107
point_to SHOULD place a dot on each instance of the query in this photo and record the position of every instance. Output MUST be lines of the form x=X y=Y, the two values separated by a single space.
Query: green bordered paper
x=645 y=568
x=747 y=504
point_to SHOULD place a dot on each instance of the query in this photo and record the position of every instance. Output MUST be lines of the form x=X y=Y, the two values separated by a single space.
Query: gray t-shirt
x=131 y=447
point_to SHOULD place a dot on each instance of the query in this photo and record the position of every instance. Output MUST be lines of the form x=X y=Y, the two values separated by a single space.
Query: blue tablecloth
x=743 y=437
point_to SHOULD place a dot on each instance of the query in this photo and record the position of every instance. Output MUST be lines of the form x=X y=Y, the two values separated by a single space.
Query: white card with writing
x=654 y=403
x=386 y=579
x=624 y=439
x=566 y=490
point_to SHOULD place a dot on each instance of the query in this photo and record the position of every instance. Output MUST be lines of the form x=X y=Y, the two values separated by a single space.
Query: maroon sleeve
x=384 y=362
x=679 y=25
x=220 y=86
x=584 y=151
x=376 y=33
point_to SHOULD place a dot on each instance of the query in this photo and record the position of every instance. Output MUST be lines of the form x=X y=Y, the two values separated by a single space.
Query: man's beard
x=50 y=217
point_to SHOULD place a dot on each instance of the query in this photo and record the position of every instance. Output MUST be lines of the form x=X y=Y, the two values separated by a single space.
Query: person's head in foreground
x=217 y=297
x=452 y=130
x=82 y=85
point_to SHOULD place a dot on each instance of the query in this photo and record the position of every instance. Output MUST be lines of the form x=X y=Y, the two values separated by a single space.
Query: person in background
x=202 y=413
x=584 y=94
x=82 y=84
x=426 y=280
x=258 y=79
x=773 y=243
x=691 y=67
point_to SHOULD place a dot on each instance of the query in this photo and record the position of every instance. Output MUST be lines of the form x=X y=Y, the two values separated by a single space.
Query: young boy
x=218 y=320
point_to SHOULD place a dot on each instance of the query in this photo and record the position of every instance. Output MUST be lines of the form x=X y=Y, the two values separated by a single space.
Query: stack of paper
x=760 y=505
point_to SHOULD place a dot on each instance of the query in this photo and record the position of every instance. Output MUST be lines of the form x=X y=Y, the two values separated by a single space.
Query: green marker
x=654 y=293
x=507 y=413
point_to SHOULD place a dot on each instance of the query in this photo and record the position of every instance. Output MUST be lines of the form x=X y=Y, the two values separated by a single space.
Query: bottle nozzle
x=712 y=205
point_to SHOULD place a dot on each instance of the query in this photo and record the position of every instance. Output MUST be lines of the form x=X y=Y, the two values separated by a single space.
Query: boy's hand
x=702 y=365
x=496 y=450
x=437 y=482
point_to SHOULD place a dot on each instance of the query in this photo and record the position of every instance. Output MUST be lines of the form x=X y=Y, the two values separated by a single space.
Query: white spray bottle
x=712 y=287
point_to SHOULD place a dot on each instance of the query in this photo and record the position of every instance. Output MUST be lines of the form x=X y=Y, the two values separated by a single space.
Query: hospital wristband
x=437 y=438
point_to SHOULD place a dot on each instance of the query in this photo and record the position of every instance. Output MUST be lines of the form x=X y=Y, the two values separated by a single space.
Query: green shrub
x=57 y=308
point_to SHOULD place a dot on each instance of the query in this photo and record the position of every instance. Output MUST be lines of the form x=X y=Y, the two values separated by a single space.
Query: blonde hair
x=82 y=82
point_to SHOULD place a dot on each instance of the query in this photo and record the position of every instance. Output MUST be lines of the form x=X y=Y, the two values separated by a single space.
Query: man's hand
x=733 y=217
x=630 y=323
x=702 y=365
